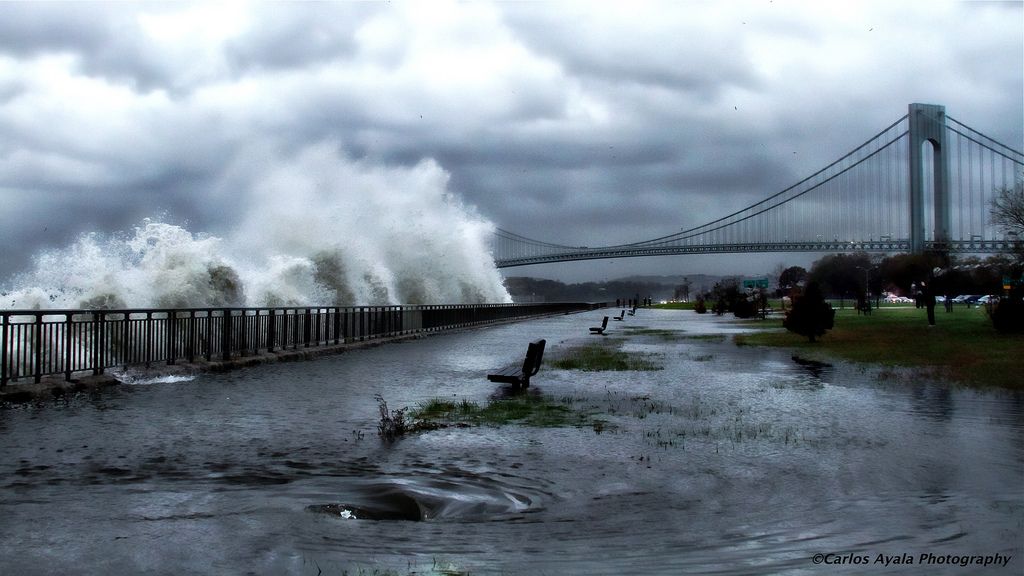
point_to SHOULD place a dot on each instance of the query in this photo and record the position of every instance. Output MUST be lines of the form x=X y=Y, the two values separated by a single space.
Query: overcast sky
x=579 y=123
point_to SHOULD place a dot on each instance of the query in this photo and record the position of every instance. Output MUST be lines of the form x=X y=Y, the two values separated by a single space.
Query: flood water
x=729 y=460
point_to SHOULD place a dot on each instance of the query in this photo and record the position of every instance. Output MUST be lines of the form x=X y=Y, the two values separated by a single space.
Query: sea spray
x=313 y=228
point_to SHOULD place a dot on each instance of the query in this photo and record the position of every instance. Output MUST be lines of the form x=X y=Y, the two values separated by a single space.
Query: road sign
x=755 y=283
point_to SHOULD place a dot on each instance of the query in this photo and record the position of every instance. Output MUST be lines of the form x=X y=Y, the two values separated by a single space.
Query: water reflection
x=932 y=401
x=819 y=370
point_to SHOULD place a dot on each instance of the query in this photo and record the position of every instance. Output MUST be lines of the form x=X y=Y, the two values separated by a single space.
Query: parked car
x=894 y=299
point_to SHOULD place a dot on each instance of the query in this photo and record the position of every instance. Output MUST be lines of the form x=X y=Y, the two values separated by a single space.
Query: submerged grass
x=526 y=409
x=438 y=568
x=695 y=420
x=705 y=337
x=663 y=334
x=598 y=357
x=962 y=346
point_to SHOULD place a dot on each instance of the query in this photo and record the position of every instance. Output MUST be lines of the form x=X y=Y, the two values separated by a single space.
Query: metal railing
x=37 y=343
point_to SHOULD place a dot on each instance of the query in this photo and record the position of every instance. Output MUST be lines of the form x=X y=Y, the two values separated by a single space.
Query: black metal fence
x=37 y=343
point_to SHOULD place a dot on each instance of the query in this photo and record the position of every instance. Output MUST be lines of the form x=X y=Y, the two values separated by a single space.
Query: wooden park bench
x=519 y=375
x=600 y=329
x=633 y=311
x=620 y=316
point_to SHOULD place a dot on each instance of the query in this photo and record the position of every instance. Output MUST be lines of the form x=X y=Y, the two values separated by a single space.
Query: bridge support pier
x=928 y=124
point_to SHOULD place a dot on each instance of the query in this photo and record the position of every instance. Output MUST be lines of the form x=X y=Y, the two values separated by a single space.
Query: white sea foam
x=318 y=228
x=134 y=378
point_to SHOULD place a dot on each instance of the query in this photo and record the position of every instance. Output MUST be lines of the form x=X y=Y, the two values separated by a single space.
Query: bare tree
x=1007 y=212
x=1007 y=209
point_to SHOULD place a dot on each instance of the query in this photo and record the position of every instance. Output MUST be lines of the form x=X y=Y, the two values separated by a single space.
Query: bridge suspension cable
x=980 y=167
x=860 y=201
x=789 y=193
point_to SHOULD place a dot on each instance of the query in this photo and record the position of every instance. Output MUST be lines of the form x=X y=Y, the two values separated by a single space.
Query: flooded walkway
x=725 y=460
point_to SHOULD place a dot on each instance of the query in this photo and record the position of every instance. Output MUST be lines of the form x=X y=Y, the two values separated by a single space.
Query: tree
x=682 y=291
x=1007 y=209
x=743 y=307
x=900 y=271
x=725 y=293
x=840 y=274
x=810 y=315
x=1007 y=212
x=791 y=278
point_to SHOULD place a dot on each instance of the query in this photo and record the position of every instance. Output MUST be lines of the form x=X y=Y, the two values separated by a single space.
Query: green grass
x=599 y=357
x=962 y=346
x=772 y=303
x=526 y=409
x=674 y=306
x=659 y=333
x=705 y=337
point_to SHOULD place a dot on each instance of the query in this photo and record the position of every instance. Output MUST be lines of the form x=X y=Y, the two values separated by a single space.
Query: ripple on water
x=448 y=495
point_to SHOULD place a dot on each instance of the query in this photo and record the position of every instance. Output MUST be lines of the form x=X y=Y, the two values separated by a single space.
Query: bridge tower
x=928 y=124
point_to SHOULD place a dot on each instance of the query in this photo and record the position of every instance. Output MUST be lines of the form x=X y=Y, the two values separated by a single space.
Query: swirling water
x=729 y=460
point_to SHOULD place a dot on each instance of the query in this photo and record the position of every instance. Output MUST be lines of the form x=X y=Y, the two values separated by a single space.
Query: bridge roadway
x=639 y=250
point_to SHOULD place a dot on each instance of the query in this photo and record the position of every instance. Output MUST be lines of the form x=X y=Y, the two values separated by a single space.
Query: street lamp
x=867 y=286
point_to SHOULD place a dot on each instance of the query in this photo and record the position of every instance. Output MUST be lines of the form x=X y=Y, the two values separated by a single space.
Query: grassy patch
x=773 y=303
x=962 y=346
x=599 y=357
x=706 y=337
x=439 y=568
x=674 y=306
x=526 y=409
x=656 y=332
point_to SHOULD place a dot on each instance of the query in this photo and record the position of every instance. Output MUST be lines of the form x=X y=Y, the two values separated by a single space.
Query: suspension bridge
x=923 y=184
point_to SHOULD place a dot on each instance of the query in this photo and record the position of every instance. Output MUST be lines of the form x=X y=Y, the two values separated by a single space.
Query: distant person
x=863 y=304
x=928 y=295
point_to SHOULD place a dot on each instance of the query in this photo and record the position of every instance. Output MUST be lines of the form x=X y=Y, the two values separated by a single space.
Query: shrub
x=392 y=423
x=1008 y=314
x=743 y=308
x=700 y=307
x=810 y=315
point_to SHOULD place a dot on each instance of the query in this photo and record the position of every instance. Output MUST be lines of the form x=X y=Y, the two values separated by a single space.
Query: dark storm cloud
x=30 y=28
x=577 y=123
x=598 y=44
x=103 y=39
x=318 y=33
